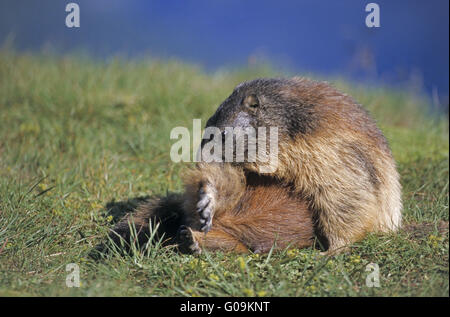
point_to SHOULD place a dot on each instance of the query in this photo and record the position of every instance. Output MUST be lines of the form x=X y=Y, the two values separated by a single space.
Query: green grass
x=76 y=134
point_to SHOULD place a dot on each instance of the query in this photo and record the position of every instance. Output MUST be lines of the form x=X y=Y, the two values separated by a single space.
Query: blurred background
x=409 y=50
x=87 y=115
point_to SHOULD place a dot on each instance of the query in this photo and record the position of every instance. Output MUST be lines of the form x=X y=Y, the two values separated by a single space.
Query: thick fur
x=330 y=152
x=252 y=213
x=256 y=210
x=166 y=212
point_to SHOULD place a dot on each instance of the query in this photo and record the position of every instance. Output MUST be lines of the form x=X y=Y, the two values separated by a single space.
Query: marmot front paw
x=205 y=207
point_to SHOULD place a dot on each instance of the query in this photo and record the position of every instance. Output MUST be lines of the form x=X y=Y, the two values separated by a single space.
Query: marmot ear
x=251 y=101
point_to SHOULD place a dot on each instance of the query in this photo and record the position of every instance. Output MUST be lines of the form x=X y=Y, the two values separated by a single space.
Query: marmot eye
x=251 y=101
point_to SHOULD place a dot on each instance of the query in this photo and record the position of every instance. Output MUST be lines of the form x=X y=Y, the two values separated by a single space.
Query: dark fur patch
x=286 y=111
x=366 y=163
x=166 y=211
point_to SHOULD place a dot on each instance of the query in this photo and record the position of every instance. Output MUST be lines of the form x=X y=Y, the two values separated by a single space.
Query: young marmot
x=332 y=161
x=252 y=212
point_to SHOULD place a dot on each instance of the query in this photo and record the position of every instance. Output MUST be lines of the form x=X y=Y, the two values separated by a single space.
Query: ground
x=82 y=141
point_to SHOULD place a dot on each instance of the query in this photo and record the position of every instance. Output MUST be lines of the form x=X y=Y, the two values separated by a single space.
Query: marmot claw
x=205 y=207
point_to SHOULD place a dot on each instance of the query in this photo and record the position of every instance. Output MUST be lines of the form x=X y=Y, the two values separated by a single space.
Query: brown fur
x=256 y=211
x=259 y=213
x=349 y=174
x=330 y=152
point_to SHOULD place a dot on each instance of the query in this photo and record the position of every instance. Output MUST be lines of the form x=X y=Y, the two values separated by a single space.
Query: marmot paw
x=205 y=207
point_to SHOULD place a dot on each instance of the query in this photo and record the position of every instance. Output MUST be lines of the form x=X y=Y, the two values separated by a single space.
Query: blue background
x=328 y=37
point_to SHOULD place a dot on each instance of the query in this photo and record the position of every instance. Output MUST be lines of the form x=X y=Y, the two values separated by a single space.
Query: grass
x=77 y=134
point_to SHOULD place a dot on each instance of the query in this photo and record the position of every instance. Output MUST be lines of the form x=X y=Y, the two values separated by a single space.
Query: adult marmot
x=332 y=159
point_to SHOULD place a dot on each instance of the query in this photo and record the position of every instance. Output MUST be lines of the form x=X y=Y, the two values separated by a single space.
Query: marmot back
x=330 y=151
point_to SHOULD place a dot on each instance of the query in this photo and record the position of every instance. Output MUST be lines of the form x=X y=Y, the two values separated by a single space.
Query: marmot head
x=268 y=102
x=285 y=104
